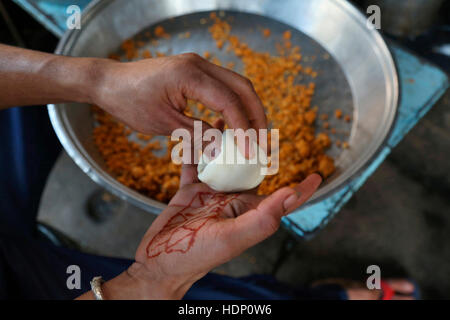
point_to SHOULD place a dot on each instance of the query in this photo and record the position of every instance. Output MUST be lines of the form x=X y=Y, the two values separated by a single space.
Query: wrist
x=96 y=74
x=148 y=285
x=78 y=79
x=137 y=283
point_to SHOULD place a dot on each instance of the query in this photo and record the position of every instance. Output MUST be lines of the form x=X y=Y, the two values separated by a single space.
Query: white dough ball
x=225 y=175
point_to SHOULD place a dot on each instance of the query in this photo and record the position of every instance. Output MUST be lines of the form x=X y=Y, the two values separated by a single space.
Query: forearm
x=31 y=78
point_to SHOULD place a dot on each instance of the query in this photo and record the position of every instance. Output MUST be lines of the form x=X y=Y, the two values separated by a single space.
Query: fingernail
x=290 y=201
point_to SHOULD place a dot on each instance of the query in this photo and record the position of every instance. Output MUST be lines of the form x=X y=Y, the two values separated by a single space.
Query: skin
x=150 y=96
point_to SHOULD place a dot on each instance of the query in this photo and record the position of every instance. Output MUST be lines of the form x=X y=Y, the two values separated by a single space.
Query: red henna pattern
x=178 y=235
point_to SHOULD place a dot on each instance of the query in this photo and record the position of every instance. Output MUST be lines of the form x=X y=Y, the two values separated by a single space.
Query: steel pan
x=356 y=71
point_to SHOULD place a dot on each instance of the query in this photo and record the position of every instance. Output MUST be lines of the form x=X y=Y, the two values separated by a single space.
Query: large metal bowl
x=359 y=77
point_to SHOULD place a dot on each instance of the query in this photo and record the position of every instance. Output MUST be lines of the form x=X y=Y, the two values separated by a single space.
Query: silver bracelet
x=96 y=287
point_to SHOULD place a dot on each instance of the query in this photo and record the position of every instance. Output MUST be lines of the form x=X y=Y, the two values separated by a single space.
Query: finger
x=219 y=124
x=305 y=190
x=189 y=175
x=195 y=142
x=244 y=88
x=218 y=97
x=223 y=100
x=189 y=172
x=258 y=224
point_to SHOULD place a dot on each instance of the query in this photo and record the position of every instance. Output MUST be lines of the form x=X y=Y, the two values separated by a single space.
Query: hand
x=150 y=95
x=202 y=229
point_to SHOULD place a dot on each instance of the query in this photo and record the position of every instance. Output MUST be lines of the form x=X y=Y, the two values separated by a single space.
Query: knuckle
x=231 y=99
x=198 y=78
x=270 y=225
x=193 y=80
x=247 y=82
x=189 y=62
x=191 y=56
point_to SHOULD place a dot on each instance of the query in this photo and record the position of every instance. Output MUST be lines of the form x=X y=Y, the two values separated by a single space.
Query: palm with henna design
x=202 y=229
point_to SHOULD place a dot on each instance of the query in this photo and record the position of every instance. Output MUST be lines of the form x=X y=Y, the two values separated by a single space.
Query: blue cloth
x=28 y=151
x=31 y=268
x=34 y=269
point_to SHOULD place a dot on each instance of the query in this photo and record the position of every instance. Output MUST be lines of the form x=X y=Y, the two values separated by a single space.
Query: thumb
x=188 y=175
x=258 y=224
x=193 y=142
